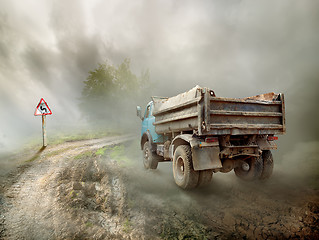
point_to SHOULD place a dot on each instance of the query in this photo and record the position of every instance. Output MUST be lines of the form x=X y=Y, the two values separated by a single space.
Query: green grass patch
x=124 y=154
x=84 y=155
x=118 y=153
x=101 y=151
x=127 y=225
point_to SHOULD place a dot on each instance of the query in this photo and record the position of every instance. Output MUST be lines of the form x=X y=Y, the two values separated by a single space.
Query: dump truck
x=204 y=134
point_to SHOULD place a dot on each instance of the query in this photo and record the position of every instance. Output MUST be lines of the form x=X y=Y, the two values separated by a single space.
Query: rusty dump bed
x=201 y=111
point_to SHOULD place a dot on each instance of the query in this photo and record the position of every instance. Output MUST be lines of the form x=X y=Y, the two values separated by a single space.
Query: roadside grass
x=101 y=151
x=81 y=135
x=59 y=137
x=119 y=153
x=33 y=149
x=83 y=155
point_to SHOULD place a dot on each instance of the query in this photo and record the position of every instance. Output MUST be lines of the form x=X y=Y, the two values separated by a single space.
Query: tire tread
x=268 y=164
x=191 y=176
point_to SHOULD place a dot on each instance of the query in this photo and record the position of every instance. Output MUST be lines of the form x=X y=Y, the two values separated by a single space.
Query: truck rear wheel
x=268 y=164
x=184 y=174
x=150 y=159
x=205 y=177
x=251 y=169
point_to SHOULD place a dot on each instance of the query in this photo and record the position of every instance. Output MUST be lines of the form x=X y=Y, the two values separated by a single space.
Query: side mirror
x=139 y=112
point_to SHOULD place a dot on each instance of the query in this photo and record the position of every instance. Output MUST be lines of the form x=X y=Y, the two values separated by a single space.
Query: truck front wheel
x=184 y=174
x=250 y=169
x=150 y=159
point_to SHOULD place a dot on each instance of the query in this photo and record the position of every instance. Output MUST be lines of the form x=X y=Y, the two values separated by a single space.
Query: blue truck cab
x=148 y=128
x=148 y=124
x=149 y=137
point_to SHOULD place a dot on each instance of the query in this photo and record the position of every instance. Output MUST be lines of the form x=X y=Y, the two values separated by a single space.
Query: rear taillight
x=272 y=138
x=211 y=139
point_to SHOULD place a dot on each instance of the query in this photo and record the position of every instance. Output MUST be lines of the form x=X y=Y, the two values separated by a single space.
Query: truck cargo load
x=200 y=110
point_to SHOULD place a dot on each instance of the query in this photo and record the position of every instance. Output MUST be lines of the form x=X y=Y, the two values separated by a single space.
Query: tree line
x=110 y=93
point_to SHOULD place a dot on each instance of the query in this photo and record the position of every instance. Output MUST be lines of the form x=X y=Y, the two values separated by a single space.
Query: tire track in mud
x=61 y=196
x=228 y=208
x=31 y=208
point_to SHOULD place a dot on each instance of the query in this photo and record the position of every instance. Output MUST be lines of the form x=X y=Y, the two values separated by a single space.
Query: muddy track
x=31 y=207
x=70 y=192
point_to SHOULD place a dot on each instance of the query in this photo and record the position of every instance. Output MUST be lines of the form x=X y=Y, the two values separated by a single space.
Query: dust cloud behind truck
x=203 y=134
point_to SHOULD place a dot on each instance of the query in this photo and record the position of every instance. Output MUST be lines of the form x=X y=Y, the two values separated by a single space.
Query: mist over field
x=94 y=61
x=237 y=48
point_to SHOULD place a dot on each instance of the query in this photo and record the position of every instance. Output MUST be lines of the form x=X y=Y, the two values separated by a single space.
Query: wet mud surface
x=77 y=191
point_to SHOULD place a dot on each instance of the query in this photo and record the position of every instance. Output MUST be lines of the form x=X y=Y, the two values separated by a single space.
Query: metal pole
x=44 y=131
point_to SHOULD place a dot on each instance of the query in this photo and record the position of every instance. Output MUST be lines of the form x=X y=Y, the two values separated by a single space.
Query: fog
x=237 y=48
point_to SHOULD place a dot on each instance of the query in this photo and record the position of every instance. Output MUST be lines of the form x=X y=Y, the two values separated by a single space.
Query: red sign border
x=49 y=113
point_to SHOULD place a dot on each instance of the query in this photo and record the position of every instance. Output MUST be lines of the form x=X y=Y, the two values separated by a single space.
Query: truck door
x=147 y=124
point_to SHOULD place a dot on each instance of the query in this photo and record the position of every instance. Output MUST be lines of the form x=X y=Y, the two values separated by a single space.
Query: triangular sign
x=42 y=109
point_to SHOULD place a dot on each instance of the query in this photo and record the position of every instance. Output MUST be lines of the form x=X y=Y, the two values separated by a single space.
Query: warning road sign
x=42 y=109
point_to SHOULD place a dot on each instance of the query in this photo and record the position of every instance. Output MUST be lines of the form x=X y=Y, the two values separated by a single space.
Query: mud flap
x=206 y=158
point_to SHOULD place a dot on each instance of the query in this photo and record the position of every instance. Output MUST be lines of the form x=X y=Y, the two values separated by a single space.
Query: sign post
x=42 y=110
x=44 y=131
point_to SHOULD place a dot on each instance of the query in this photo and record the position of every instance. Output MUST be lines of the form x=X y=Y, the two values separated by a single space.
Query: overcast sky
x=238 y=48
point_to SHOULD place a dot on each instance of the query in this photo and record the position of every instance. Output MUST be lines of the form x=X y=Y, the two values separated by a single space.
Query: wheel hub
x=245 y=166
x=146 y=152
x=180 y=167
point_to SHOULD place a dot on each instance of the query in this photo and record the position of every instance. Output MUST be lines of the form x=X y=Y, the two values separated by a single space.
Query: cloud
x=238 y=48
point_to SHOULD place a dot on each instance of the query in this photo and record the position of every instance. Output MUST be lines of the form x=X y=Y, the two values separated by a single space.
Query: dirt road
x=98 y=189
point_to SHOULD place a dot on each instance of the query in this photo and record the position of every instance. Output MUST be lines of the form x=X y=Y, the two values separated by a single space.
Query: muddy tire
x=150 y=159
x=205 y=177
x=268 y=164
x=184 y=174
x=255 y=169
